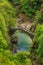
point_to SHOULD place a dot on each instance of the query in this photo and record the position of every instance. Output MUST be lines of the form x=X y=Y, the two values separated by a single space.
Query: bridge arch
x=14 y=29
x=14 y=42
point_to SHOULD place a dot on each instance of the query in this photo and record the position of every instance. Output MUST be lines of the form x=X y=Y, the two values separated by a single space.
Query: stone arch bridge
x=14 y=29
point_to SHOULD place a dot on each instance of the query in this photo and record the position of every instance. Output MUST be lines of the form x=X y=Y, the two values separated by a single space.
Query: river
x=24 y=42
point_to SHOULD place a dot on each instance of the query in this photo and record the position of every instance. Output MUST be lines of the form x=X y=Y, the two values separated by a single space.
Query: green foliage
x=8 y=12
x=39 y=16
x=3 y=42
x=16 y=2
x=40 y=47
x=39 y=40
x=29 y=7
x=4 y=60
x=7 y=18
x=38 y=31
x=3 y=27
x=22 y=58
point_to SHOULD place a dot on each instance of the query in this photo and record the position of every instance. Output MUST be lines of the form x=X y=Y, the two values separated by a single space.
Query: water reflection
x=24 y=42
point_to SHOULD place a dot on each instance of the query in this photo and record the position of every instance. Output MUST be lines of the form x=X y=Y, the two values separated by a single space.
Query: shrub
x=3 y=27
x=40 y=47
x=3 y=42
x=8 y=12
x=22 y=58
x=4 y=60
x=38 y=31
x=29 y=7
x=39 y=40
x=7 y=18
